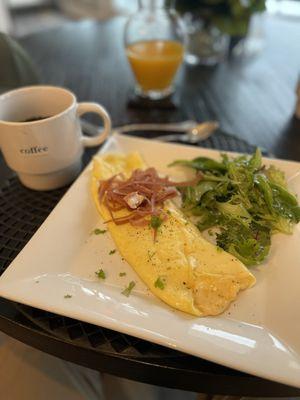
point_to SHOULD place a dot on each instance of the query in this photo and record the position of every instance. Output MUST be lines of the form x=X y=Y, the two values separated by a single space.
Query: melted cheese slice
x=199 y=278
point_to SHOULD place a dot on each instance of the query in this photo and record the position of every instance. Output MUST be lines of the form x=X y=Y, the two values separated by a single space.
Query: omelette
x=180 y=267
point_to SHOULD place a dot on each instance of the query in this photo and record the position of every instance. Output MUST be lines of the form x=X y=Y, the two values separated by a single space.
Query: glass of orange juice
x=154 y=43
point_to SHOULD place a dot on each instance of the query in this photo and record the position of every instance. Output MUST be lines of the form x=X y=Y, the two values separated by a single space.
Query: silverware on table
x=194 y=131
x=193 y=135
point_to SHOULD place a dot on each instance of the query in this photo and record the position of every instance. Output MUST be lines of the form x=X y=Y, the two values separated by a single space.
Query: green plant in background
x=230 y=16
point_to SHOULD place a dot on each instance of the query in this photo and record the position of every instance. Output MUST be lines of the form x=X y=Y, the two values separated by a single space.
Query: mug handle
x=88 y=141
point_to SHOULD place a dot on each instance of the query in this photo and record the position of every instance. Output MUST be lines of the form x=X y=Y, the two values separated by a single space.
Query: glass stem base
x=154 y=94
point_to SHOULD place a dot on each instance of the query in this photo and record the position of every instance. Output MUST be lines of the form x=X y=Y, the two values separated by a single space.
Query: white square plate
x=259 y=333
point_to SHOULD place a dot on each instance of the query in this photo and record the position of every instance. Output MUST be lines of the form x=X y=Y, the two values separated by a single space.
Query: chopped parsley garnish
x=122 y=274
x=155 y=222
x=150 y=255
x=67 y=296
x=128 y=289
x=160 y=283
x=112 y=252
x=100 y=274
x=98 y=231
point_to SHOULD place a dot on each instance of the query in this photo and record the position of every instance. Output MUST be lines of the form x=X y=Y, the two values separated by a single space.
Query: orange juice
x=155 y=62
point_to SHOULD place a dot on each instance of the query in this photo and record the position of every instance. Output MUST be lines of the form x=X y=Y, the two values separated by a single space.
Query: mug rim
x=36 y=88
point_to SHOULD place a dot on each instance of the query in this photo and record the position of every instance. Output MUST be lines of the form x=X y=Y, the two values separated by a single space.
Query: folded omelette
x=198 y=278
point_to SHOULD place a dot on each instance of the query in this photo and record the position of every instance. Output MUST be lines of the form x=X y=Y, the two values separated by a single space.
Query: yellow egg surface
x=198 y=277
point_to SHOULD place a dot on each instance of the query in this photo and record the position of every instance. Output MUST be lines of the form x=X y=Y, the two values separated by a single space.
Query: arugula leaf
x=250 y=245
x=285 y=203
x=275 y=176
x=235 y=211
x=202 y=164
x=192 y=195
x=263 y=185
x=254 y=163
x=209 y=219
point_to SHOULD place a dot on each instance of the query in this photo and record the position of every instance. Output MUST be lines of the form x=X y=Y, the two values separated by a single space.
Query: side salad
x=240 y=201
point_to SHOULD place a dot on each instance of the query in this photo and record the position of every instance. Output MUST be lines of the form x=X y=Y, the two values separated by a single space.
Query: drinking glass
x=154 y=42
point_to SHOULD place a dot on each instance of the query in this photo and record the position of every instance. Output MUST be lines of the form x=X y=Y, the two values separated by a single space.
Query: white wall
x=24 y=3
x=5 y=21
x=98 y=9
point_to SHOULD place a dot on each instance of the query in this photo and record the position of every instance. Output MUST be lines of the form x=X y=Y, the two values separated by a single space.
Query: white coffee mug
x=41 y=137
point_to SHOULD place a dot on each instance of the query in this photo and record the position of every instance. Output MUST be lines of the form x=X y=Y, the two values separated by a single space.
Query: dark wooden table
x=252 y=98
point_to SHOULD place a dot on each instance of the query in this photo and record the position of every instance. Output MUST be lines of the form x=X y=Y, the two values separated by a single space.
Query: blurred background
x=22 y=17
x=249 y=50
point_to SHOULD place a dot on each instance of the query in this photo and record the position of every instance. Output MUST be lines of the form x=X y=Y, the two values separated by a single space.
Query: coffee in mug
x=41 y=137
